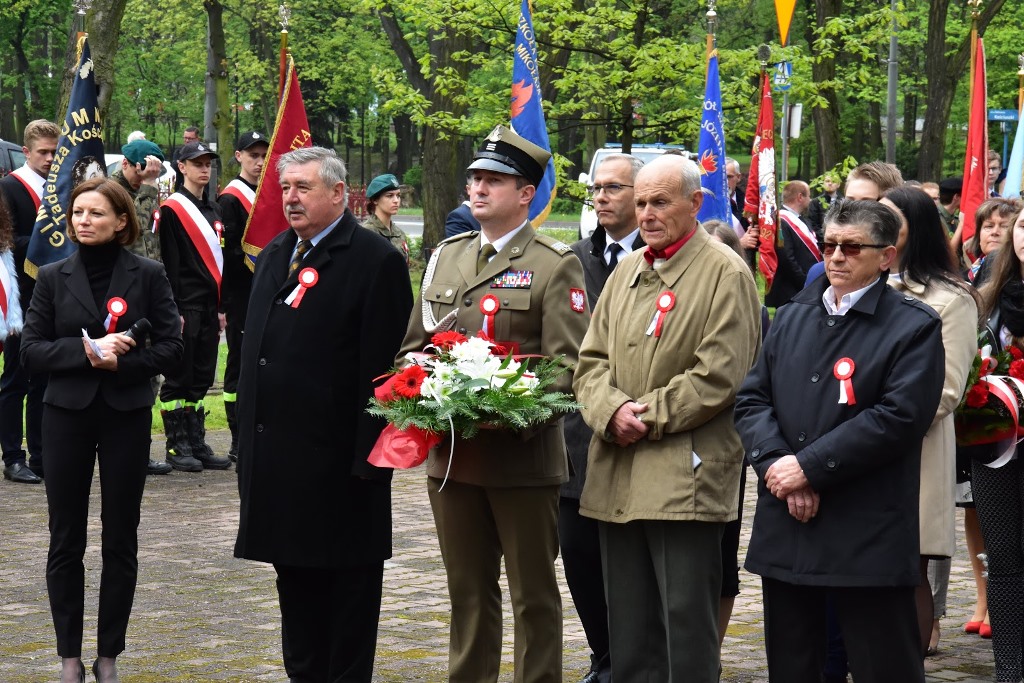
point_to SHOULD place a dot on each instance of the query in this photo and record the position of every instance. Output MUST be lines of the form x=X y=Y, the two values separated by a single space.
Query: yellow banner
x=784 y=11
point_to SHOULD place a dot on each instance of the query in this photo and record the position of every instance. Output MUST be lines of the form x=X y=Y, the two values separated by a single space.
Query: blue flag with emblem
x=79 y=156
x=527 y=114
x=711 y=151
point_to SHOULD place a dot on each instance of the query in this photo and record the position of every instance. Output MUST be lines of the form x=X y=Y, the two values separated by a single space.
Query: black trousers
x=581 y=558
x=73 y=439
x=879 y=627
x=21 y=402
x=329 y=622
x=235 y=314
x=194 y=376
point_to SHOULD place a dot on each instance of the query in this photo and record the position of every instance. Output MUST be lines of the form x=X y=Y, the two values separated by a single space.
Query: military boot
x=230 y=409
x=179 y=447
x=197 y=435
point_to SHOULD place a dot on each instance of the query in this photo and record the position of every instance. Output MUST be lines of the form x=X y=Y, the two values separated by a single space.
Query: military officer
x=500 y=495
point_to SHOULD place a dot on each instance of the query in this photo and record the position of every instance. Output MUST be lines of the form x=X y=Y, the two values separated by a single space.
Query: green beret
x=137 y=151
x=381 y=184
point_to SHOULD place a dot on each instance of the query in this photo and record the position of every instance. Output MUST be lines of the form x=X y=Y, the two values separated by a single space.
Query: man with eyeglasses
x=795 y=244
x=616 y=237
x=995 y=168
x=832 y=418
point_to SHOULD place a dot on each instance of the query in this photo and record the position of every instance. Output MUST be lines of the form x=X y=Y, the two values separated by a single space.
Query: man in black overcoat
x=832 y=418
x=329 y=306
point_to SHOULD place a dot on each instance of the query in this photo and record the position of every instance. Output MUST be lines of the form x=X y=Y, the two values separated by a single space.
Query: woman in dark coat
x=98 y=405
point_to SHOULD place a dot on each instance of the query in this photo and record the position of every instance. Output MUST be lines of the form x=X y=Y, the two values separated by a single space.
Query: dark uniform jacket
x=795 y=260
x=590 y=252
x=864 y=458
x=63 y=305
x=237 y=280
x=191 y=281
x=541 y=318
x=309 y=498
x=23 y=214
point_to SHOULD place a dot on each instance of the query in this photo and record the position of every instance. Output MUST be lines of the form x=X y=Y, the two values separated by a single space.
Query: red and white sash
x=242 y=192
x=33 y=183
x=801 y=230
x=204 y=238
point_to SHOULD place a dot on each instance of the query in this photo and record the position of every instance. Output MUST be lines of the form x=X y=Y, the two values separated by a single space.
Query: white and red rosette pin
x=665 y=303
x=308 y=277
x=116 y=307
x=489 y=306
x=843 y=371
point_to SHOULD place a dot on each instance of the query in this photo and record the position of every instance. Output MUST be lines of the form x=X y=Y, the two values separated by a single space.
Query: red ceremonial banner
x=759 y=202
x=975 y=188
x=291 y=131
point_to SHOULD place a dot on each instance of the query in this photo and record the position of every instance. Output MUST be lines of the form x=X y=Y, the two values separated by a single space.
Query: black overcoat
x=308 y=496
x=864 y=458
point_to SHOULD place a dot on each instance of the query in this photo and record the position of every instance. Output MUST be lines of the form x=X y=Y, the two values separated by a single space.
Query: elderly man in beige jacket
x=675 y=331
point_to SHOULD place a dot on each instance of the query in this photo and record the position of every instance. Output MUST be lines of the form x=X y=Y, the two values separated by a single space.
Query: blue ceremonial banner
x=711 y=151
x=1015 y=166
x=527 y=114
x=79 y=157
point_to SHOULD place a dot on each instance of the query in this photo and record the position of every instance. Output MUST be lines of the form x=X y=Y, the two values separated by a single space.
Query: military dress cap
x=194 y=150
x=504 y=151
x=381 y=184
x=952 y=185
x=247 y=140
x=137 y=151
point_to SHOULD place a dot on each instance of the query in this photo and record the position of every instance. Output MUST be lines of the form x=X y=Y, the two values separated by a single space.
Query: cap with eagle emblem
x=503 y=151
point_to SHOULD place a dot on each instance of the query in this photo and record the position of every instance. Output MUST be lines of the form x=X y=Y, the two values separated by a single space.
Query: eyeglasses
x=610 y=188
x=848 y=248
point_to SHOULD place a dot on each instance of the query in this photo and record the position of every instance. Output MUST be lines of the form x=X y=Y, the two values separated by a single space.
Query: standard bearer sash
x=802 y=231
x=242 y=192
x=204 y=238
x=33 y=183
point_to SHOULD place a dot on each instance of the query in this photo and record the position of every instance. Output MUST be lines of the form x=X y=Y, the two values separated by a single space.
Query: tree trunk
x=945 y=67
x=823 y=70
x=217 y=119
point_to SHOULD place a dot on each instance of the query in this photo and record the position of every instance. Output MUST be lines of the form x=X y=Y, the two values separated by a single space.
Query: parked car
x=645 y=152
x=11 y=157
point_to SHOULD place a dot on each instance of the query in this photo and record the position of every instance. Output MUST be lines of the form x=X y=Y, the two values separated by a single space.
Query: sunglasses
x=848 y=248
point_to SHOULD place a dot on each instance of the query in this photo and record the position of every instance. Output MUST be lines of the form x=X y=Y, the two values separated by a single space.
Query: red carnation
x=1016 y=353
x=446 y=340
x=977 y=396
x=496 y=349
x=1017 y=369
x=408 y=381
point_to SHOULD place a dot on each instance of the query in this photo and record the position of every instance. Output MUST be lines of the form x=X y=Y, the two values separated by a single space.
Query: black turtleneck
x=99 y=265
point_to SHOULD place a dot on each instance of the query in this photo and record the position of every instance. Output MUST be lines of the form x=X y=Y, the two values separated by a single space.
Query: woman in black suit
x=98 y=403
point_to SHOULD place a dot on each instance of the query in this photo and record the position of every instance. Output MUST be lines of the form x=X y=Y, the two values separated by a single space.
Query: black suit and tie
x=90 y=412
x=310 y=503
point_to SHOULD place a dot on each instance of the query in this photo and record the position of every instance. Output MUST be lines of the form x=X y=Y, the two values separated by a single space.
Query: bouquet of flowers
x=993 y=402
x=456 y=386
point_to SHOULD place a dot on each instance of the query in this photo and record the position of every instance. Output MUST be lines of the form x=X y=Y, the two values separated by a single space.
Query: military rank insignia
x=513 y=279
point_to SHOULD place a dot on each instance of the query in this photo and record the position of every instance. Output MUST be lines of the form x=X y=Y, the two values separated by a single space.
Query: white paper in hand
x=93 y=345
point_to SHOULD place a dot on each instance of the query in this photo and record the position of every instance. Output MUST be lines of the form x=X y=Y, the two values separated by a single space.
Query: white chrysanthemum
x=473 y=350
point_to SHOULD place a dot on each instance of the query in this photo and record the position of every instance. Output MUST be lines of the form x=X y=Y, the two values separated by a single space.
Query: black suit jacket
x=795 y=259
x=23 y=214
x=62 y=305
x=308 y=496
x=460 y=220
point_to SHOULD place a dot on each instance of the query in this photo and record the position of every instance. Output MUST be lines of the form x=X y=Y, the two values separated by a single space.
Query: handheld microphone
x=138 y=329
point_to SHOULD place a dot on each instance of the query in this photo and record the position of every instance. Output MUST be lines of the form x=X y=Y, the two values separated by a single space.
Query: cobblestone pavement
x=201 y=615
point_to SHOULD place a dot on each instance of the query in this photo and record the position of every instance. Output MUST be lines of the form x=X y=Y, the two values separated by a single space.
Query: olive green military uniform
x=147 y=200
x=501 y=494
x=395 y=235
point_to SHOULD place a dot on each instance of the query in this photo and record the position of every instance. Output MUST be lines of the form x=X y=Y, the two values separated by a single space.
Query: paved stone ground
x=201 y=615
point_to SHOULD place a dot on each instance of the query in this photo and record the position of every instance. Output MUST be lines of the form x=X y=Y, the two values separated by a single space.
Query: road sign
x=1002 y=115
x=783 y=74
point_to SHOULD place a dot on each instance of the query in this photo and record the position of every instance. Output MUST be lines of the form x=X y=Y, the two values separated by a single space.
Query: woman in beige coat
x=927 y=272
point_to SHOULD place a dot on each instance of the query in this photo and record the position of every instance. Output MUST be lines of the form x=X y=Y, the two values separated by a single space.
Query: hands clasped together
x=786 y=481
x=625 y=427
x=112 y=345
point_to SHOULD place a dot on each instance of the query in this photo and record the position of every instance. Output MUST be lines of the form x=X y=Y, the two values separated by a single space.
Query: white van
x=644 y=152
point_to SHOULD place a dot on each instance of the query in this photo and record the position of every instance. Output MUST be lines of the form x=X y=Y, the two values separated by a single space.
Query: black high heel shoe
x=96 y=673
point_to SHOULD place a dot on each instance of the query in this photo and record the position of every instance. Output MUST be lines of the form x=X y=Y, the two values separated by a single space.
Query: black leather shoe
x=20 y=474
x=157 y=467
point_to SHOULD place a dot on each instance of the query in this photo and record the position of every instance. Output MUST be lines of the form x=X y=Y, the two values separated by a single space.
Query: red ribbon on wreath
x=116 y=307
x=307 y=278
x=489 y=305
x=843 y=372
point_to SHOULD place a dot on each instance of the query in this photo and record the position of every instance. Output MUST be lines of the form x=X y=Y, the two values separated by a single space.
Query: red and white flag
x=759 y=201
x=975 y=188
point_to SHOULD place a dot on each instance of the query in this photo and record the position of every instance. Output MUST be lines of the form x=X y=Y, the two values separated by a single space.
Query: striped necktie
x=300 y=251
